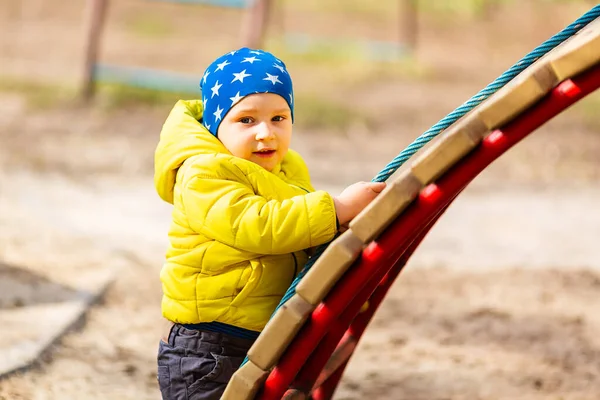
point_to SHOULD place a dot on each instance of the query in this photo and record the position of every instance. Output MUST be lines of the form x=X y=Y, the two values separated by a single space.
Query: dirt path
x=500 y=302
x=502 y=334
x=470 y=318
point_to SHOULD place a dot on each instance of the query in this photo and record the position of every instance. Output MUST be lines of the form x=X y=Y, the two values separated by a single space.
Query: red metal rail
x=310 y=372
x=349 y=341
x=380 y=256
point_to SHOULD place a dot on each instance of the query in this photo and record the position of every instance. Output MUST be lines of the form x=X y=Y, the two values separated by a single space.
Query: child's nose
x=263 y=131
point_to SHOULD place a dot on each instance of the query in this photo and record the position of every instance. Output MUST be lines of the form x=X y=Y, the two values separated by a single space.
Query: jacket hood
x=182 y=136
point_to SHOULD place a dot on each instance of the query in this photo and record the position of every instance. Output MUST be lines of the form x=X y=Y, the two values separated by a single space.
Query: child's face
x=258 y=129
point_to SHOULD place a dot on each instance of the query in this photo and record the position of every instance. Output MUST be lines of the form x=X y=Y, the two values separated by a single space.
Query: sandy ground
x=500 y=302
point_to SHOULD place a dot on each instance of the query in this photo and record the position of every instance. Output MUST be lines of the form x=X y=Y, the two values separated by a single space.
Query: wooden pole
x=255 y=23
x=409 y=24
x=12 y=22
x=96 y=14
x=489 y=9
x=277 y=19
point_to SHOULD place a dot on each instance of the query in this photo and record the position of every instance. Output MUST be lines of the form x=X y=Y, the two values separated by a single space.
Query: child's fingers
x=377 y=187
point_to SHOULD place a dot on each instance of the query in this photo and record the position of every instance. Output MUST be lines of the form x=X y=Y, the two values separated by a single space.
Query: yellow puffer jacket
x=238 y=231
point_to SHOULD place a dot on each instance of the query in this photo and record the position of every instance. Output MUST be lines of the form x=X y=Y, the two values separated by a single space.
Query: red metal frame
x=330 y=376
x=376 y=260
x=381 y=255
x=310 y=372
x=327 y=389
x=325 y=386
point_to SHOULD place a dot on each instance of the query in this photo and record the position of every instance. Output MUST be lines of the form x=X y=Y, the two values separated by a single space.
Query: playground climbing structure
x=306 y=345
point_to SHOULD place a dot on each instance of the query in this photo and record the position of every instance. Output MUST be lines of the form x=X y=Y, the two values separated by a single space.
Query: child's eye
x=246 y=120
x=278 y=118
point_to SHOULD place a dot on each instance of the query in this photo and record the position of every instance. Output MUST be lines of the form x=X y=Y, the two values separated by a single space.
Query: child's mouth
x=265 y=153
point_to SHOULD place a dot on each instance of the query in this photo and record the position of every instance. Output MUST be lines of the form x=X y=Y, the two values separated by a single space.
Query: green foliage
x=387 y=11
x=150 y=26
x=462 y=7
x=312 y=111
x=118 y=95
x=37 y=94
x=588 y=109
x=365 y=9
x=347 y=62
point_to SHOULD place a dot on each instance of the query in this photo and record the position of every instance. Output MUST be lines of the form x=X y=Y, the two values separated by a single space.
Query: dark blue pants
x=197 y=365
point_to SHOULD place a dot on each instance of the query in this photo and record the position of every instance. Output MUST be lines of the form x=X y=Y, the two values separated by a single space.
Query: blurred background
x=499 y=302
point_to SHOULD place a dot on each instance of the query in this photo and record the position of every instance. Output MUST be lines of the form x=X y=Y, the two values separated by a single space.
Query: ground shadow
x=20 y=288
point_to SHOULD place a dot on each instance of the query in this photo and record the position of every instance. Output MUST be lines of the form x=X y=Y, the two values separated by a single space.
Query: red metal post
x=310 y=371
x=350 y=340
x=320 y=322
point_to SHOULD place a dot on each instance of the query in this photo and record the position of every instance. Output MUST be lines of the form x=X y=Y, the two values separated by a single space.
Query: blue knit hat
x=240 y=73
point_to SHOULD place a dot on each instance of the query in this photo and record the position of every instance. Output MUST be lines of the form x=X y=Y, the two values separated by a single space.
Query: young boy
x=244 y=214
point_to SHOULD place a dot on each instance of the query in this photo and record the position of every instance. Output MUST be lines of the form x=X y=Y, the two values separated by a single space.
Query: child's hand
x=354 y=198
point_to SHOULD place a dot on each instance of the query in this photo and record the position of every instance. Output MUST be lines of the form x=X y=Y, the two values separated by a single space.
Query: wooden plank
x=330 y=267
x=386 y=207
x=455 y=143
x=520 y=93
x=579 y=53
x=279 y=332
x=245 y=382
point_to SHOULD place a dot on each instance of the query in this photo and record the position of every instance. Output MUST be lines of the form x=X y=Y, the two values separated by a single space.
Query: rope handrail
x=486 y=92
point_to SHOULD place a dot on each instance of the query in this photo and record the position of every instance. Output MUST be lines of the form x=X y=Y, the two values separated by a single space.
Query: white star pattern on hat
x=236 y=98
x=240 y=76
x=217 y=113
x=273 y=78
x=250 y=59
x=215 y=89
x=222 y=65
x=279 y=67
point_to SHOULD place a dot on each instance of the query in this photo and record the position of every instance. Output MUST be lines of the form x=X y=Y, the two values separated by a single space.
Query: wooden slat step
x=386 y=207
x=245 y=383
x=455 y=143
x=579 y=53
x=330 y=267
x=520 y=93
x=279 y=332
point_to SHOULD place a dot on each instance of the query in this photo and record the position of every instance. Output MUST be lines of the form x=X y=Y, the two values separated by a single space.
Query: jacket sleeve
x=230 y=212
